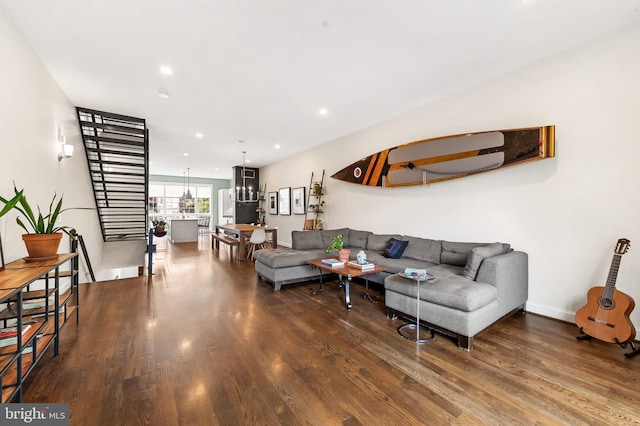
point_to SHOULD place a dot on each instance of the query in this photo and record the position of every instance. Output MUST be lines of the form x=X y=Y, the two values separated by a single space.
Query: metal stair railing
x=117 y=151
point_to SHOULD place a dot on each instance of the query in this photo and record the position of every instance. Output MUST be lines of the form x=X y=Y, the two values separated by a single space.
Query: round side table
x=411 y=331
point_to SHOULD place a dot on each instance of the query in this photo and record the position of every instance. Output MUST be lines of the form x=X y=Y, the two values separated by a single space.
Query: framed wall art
x=284 y=205
x=297 y=196
x=273 y=202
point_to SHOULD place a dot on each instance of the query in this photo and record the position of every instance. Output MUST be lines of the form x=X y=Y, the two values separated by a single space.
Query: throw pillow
x=477 y=255
x=395 y=248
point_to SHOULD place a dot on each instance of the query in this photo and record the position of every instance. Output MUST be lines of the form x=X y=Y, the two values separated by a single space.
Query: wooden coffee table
x=348 y=273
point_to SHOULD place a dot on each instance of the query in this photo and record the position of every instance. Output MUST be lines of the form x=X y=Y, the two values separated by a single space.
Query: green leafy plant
x=42 y=223
x=337 y=244
x=158 y=223
x=10 y=204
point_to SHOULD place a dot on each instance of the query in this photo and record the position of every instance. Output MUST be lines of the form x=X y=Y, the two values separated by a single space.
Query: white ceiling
x=259 y=71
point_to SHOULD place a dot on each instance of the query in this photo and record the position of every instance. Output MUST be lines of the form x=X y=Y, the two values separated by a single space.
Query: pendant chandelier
x=245 y=194
x=186 y=196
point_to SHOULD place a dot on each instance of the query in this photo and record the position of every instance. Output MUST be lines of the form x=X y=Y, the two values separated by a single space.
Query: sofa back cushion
x=379 y=242
x=456 y=254
x=479 y=254
x=423 y=249
x=328 y=234
x=306 y=240
x=358 y=239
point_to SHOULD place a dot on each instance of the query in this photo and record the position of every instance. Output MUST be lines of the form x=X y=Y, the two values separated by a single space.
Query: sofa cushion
x=443 y=270
x=453 y=292
x=379 y=242
x=358 y=239
x=395 y=248
x=478 y=254
x=306 y=240
x=283 y=258
x=394 y=266
x=454 y=253
x=423 y=249
x=328 y=234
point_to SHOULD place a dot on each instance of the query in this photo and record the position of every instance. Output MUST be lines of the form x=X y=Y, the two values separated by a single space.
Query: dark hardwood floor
x=202 y=342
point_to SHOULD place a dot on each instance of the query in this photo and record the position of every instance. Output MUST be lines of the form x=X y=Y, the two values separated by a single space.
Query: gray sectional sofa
x=474 y=284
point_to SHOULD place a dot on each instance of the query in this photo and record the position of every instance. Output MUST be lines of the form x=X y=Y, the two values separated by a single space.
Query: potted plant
x=43 y=235
x=159 y=224
x=317 y=189
x=337 y=244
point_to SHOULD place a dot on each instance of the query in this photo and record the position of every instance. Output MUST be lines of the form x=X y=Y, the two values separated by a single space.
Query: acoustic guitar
x=606 y=314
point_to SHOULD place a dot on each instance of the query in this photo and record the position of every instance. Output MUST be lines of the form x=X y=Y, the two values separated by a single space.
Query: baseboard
x=556 y=313
x=550 y=312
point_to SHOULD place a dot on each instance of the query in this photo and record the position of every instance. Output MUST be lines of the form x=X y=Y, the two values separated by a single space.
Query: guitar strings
x=607 y=292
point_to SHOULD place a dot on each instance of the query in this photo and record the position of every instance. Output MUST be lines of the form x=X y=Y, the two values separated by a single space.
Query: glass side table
x=411 y=331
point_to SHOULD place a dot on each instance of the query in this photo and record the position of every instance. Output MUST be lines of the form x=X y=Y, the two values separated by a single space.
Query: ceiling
x=252 y=74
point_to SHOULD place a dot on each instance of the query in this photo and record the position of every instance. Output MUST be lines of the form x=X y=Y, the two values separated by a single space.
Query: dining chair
x=256 y=242
x=269 y=242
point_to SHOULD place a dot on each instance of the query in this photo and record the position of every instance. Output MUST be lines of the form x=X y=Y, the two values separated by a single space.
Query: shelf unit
x=46 y=321
x=314 y=204
x=260 y=209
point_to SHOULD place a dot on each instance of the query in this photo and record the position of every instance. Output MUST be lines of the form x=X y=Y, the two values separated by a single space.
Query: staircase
x=117 y=149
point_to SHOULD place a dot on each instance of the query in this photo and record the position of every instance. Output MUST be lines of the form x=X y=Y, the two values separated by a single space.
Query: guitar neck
x=613 y=275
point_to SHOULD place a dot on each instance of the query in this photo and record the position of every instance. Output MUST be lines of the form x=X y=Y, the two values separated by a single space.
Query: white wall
x=567 y=212
x=32 y=108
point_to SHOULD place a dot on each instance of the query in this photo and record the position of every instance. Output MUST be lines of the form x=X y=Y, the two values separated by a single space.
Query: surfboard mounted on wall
x=451 y=157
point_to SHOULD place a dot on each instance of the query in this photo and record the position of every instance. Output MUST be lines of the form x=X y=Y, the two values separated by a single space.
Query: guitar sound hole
x=606 y=303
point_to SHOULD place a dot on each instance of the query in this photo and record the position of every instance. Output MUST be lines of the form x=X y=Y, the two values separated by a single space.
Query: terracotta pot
x=343 y=255
x=159 y=229
x=42 y=246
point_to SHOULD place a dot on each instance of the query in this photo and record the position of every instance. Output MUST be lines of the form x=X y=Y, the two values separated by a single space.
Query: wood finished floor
x=202 y=342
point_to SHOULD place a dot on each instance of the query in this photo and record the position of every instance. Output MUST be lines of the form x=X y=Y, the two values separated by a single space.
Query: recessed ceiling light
x=323 y=111
x=240 y=141
x=166 y=70
x=186 y=154
x=163 y=95
x=276 y=146
x=199 y=135
x=248 y=161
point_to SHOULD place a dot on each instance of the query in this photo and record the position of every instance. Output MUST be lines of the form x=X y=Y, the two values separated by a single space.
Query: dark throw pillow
x=395 y=248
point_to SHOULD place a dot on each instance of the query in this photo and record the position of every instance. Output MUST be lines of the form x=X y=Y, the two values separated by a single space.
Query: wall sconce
x=65 y=150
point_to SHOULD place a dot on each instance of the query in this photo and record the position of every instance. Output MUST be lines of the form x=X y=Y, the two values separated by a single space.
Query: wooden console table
x=43 y=323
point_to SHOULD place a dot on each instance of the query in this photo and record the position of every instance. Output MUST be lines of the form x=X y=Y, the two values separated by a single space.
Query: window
x=166 y=200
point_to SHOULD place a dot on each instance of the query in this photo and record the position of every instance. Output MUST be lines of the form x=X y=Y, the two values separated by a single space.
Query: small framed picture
x=297 y=194
x=284 y=205
x=273 y=202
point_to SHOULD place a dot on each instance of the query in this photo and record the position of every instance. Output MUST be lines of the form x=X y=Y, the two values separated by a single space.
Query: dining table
x=243 y=231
